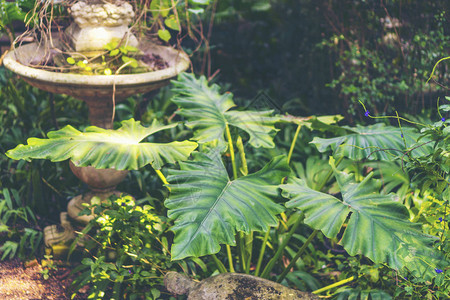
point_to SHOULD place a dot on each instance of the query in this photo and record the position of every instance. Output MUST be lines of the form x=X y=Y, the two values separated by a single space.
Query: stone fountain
x=96 y=24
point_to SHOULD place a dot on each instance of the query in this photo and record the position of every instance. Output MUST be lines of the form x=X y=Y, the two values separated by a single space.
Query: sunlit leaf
x=164 y=34
x=200 y=2
x=114 y=52
x=70 y=60
x=160 y=7
x=105 y=148
x=172 y=23
x=196 y=11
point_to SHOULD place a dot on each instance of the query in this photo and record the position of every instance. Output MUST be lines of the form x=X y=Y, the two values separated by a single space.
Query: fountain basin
x=99 y=92
x=80 y=86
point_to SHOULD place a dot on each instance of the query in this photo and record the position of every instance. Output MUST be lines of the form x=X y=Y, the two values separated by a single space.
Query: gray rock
x=231 y=286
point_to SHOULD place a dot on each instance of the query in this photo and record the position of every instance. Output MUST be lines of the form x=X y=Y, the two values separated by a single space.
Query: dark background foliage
x=320 y=57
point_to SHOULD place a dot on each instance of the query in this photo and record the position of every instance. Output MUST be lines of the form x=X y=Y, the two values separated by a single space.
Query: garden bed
x=20 y=280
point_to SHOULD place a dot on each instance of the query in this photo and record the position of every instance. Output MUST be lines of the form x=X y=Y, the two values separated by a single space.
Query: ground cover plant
x=29 y=203
x=218 y=207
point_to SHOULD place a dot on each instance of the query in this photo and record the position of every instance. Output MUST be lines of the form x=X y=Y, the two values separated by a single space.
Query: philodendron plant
x=210 y=207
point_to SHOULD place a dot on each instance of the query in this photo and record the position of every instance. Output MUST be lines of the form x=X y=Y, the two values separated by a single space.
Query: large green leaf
x=393 y=178
x=374 y=142
x=207 y=113
x=377 y=226
x=105 y=148
x=208 y=208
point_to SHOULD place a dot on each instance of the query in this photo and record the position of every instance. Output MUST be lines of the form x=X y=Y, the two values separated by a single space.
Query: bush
x=127 y=255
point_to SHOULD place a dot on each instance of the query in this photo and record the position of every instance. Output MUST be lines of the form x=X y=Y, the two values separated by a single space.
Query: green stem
x=328 y=176
x=161 y=176
x=313 y=234
x=266 y=237
x=336 y=284
x=248 y=250
x=231 y=148
x=297 y=256
x=233 y=164
x=281 y=248
x=261 y=253
x=240 y=147
x=219 y=264
x=294 y=140
x=247 y=238
x=240 y=244
x=434 y=68
x=230 y=259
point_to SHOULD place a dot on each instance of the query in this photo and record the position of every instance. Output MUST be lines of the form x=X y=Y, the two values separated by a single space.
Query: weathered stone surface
x=107 y=14
x=178 y=284
x=97 y=24
x=231 y=286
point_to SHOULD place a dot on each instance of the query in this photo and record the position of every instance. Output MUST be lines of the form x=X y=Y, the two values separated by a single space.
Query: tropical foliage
x=120 y=149
x=210 y=208
x=348 y=208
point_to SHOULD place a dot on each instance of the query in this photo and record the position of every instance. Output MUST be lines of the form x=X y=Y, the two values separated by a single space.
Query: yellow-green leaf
x=114 y=52
x=160 y=7
x=164 y=35
x=106 y=148
x=172 y=23
x=70 y=60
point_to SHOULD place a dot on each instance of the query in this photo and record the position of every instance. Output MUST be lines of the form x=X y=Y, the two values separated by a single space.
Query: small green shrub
x=127 y=255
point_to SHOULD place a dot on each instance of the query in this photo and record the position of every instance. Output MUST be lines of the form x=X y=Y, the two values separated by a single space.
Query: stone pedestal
x=99 y=24
x=102 y=185
x=100 y=92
